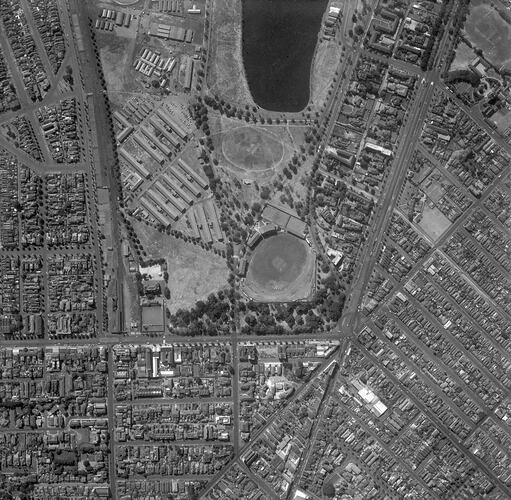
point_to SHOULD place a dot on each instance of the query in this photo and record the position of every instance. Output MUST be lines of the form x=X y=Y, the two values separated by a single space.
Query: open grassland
x=487 y=29
x=464 y=56
x=116 y=54
x=226 y=73
x=250 y=148
x=194 y=273
x=324 y=65
x=434 y=223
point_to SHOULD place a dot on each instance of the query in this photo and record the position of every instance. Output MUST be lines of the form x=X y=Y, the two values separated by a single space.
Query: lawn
x=324 y=64
x=255 y=151
x=116 y=53
x=488 y=30
x=250 y=148
x=464 y=56
x=434 y=223
x=502 y=120
x=281 y=269
x=194 y=273
x=226 y=73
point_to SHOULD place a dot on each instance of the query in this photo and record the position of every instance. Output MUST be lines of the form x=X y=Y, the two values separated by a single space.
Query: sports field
x=489 y=31
x=282 y=269
x=250 y=148
x=434 y=223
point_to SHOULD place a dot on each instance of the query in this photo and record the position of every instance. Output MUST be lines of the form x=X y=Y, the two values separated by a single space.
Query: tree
x=265 y=192
x=329 y=490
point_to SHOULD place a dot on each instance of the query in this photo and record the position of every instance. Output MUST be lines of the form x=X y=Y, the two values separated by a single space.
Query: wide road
x=298 y=338
x=428 y=81
x=408 y=141
x=338 y=356
x=333 y=106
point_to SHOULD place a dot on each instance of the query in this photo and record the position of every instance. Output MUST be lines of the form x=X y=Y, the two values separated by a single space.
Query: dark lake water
x=279 y=39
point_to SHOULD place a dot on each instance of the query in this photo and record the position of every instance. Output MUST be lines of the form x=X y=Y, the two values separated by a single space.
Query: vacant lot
x=281 y=269
x=488 y=30
x=193 y=272
x=324 y=65
x=226 y=73
x=250 y=148
x=116 y=55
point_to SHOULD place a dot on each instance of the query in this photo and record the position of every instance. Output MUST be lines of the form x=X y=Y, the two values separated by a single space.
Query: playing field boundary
x=301 y=289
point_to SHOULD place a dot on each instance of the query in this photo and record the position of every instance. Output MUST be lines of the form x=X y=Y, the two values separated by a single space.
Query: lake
x=279 y=39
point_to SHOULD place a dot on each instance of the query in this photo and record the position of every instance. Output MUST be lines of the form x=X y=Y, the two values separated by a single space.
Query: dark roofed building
x=268 y=230
x=242 y=267
x=253 y=240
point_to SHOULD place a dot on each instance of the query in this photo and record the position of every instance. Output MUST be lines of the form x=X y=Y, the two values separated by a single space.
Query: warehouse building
x=176 y=127
x=144 y=143
x=135 y=164
x=193 y=175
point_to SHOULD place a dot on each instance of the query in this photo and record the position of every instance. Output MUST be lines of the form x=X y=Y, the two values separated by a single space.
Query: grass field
x=226 y=73
x=255 y=151
x=502 y=120
x=434 y=223
x=116 y=53
x=487 y=29
x=250 y=148
x=282 y=269
x=194 y=273
x=324 y=64
x=434 y=192
x=464 y=56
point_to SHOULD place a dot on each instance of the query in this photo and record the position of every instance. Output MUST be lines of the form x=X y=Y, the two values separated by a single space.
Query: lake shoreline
x=283 y=34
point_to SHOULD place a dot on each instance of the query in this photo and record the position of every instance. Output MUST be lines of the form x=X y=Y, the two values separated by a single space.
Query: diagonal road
x=387 y=204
